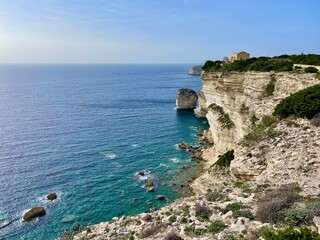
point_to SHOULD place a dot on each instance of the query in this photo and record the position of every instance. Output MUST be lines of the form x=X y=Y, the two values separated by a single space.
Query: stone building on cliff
x=239 y=56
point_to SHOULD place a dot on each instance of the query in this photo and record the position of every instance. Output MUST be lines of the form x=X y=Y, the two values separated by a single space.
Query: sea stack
x=186 y=99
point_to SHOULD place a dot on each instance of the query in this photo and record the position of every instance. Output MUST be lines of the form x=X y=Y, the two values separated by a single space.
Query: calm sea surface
x=83 y=131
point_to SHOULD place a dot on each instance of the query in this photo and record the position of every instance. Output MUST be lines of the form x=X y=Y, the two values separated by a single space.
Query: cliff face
x=243 y=98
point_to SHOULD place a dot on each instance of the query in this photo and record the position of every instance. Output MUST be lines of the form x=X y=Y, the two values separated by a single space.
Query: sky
x=154 y=31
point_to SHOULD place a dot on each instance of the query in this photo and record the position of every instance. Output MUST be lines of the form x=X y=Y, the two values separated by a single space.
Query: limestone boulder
x=33 y=213
x=186 y=99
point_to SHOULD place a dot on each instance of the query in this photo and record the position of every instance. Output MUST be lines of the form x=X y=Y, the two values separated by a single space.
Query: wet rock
x=141 y=173
x=33 y=213
x=146 y=217
x=150 y=189
x=160 y=197
x=184 y=145
x=149 y=184
x=186 y=99
x=52 y=196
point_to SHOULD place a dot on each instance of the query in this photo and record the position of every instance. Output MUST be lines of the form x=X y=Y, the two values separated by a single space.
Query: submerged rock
x=183 y=145
x=186 y=99
x=160 y=197
x=33 y=213
x=52 y=196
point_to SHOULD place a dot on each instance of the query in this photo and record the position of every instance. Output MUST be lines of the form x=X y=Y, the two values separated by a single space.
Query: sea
x=84 y=131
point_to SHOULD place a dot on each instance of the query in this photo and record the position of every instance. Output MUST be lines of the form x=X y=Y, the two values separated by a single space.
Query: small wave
x=163 y=165
x=174 y=160
x=174 y=108
x=177 y=146
x=136 y=145
x=146 y=175
x=44 y=198
x=110 y=155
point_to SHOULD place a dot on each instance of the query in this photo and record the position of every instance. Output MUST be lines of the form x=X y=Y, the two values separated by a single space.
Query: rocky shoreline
x=252 y=165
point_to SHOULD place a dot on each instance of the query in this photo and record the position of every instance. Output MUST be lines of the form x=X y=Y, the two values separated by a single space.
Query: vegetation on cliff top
x=263 y=64
x=305 y=103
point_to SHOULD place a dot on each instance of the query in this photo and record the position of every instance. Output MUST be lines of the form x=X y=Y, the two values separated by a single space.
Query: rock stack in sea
x=186 y=99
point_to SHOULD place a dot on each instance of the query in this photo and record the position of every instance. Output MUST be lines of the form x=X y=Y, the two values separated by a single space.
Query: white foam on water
x=110 y=155
x=136 y=145
x=147 y=175
x=174 y=160
x=175 y=108
x=177 y=146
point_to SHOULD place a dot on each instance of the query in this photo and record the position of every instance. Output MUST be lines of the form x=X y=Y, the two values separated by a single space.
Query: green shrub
x=290 y=234
x=272 y=204
x=225 y=159
x=270 y=87
x=212 y=65
x=310 y=70
x=233 y=207
x=172 y=218
x=216 y=227
x=305 y=103
x=265 y=129
x=202 y=211
x=214 y=195
x=224 y=118
x=243 y=213
x=192 y=231
x=318 y=75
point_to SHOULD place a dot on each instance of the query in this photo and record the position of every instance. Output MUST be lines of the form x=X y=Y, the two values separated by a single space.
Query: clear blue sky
x=154 y=31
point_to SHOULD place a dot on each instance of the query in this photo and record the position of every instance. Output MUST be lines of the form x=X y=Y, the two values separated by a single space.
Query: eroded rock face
x=186 y=99
x=195 y=70
x=33 y=213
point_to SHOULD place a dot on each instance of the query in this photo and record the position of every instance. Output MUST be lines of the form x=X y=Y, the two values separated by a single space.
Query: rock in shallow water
x=52 y=196
x=186 y=99
x=33 y=213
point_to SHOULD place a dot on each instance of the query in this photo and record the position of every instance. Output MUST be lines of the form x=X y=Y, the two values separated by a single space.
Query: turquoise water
x=83 y=131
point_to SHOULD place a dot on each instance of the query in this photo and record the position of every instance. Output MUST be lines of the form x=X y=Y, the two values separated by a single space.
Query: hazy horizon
x=153 y=32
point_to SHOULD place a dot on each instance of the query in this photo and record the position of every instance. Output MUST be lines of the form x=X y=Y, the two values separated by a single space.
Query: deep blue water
x=83 y=131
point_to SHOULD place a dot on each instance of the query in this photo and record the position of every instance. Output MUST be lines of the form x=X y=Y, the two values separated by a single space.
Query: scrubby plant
x=303 y=233
x=270 y=87
x=272 y=204
x=192 y=231
x=265 y=129
x=311 y=70
x=305 y=103
x=243 y=213
x=202 y=211
x=317 y=75
x=216 y=227
x=225 y=159
x=233 y=207
x=172 y=218
x=224 y=118
x=214 y=195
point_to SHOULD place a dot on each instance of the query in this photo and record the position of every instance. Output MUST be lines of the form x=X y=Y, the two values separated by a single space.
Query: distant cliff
x=195 y=70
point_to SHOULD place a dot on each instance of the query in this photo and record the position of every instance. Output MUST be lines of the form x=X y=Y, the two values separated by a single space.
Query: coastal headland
x=260 y=171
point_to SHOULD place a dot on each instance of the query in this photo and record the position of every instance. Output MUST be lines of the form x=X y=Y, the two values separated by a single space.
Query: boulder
x=146 y=217
x=33 y=213
x=52 y=196
x=141 y=173
x=149 y=184
x=150 y=189
x=184 y=145
x=186 y=99
x=315 y=121
x=316 y=221
x=160 y=197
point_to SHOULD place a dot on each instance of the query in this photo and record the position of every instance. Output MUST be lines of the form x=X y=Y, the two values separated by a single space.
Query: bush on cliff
x=265 y=129
x=310 y=70
x=212 y=66
x=305 y=103
x=225 y=159
x=303 y=233
x=272 y=204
